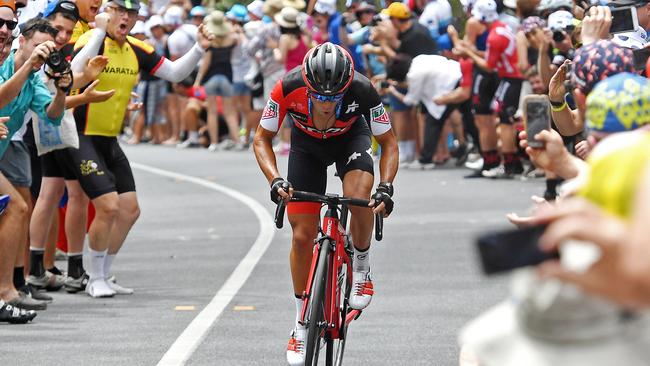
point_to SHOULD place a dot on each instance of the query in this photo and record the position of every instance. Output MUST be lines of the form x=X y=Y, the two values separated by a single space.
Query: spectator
x=405 y=36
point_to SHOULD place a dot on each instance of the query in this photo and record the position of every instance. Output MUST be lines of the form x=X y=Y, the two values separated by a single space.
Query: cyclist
x=99 y=164
x=323 y=98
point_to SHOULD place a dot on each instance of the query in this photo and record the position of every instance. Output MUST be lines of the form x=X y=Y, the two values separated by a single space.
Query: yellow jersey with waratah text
x=120 y=74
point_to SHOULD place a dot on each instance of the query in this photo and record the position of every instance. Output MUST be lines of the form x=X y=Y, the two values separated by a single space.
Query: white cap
x=559 y=20
x=143 y=12
x=155 y=21
x=634 y=40
x=174 y=15
x=256 y=8
x=138 y=28
x=485 y=11
x=325 y=6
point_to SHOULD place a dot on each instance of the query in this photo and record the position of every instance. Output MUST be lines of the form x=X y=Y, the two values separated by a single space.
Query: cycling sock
x=108 y=262
x=410 y=149
x=36 y=267
x=361 y=260
x=401 y=147
x=299 y=302
x=75 y=265
x=19 y=277
x=97 y=260
x=491 y=159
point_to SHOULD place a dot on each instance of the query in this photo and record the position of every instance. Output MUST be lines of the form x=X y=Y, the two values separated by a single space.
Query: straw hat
x=287 y=18
x=216 y=23
x=272 y=7
x=296 y=4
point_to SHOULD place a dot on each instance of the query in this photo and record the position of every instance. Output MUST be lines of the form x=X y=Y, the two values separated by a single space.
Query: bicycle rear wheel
x=316 y=307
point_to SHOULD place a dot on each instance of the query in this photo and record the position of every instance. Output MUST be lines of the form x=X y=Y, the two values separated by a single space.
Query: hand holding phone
x=537 y=117
x=502 y=251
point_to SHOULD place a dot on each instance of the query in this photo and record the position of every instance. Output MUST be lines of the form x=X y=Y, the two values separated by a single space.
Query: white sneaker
x=474 y=165
x=119 y=290
x=296 y=347
x=362 y=290
x=213 y=147
x=417 y=165
x=98 y=287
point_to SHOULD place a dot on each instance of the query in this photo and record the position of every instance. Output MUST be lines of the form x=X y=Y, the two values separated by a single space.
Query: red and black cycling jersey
x=290 y=98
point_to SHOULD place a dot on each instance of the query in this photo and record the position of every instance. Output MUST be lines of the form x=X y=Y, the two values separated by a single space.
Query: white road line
x=194 y=334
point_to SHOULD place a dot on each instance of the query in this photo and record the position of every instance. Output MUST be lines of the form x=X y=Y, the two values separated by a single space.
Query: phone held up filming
x=537 y=117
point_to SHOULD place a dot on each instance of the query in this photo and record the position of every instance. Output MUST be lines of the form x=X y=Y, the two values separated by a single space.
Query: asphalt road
x=190 y=239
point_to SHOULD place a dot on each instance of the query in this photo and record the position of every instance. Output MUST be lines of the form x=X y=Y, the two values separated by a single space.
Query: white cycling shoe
x=296 y=347
x=98 y=287
x=362 y=290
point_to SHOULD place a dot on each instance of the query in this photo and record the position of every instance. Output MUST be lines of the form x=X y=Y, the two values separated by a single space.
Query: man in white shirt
x=429 y=77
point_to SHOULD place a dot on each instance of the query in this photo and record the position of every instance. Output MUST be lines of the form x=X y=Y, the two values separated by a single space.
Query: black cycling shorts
x=53 y=165
x=483 y=89
x=309 y=157
x=100 y=166
x=507 y=99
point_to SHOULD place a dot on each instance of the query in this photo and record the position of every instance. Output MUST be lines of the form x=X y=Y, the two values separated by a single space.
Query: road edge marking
x=185 y=345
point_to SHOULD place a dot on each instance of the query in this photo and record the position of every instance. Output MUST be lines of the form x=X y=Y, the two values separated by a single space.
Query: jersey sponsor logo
x=378 y=114
x=299 y=117
x=352 y=107
x=271 y=110
x=120 y=70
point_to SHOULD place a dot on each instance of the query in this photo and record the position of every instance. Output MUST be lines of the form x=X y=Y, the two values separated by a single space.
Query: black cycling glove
x=384 y=193
x=279 y=183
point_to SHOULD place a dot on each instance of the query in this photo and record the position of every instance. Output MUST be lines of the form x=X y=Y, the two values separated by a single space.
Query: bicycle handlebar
x=331 y=200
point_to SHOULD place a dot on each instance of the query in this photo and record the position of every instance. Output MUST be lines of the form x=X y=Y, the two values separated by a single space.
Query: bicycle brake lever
x=279 y=214
x=379 y=227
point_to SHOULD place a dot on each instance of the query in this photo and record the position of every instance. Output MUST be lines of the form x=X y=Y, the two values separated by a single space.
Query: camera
x=57 y=63
x=376 y=19
x=558 y=36
x=384 y=84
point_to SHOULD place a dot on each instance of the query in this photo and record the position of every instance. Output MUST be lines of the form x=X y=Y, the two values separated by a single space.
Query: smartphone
x=537 y=117
x=624 y=19
x=641 y=56
x=502 y=251
x=384 y=84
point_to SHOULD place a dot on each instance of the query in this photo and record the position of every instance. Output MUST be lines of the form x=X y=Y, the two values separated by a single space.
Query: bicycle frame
x=336 y=240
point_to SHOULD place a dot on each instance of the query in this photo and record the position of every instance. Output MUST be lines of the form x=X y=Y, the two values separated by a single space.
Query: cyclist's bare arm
x=389 y=156
x=263 y=148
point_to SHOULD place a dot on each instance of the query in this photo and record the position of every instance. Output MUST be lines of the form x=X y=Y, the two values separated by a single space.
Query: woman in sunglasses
x=333 y=113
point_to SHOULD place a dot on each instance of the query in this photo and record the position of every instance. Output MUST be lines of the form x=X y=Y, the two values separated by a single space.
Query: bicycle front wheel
x=316 y=307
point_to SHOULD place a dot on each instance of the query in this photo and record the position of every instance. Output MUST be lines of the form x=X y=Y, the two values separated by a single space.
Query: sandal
x=14 y=315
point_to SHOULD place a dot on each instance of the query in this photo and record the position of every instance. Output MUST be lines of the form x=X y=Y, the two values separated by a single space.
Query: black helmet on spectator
x=328 y=69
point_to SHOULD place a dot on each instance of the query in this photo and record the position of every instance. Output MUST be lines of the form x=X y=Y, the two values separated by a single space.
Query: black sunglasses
x=43 y=28
x=11 y=24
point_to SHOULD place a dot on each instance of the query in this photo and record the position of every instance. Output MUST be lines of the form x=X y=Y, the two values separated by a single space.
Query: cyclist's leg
x=355 y=167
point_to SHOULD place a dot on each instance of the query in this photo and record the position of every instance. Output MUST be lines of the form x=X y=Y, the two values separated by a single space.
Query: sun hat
x=287 y=18
x=174 y=15
x=272 y=7
x=256 y=8
x=155 y=21
x=198 y=11
x=549 y=323
x=325 y=7
x=216 y=23
x=296 y=4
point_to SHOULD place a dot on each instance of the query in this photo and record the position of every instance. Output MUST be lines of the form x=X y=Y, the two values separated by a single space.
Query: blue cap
x=619 y=103
x=238 y=12
x=198 y=11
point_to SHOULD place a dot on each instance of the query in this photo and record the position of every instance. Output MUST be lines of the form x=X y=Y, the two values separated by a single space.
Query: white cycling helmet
x=555 y=5
x=485 y=11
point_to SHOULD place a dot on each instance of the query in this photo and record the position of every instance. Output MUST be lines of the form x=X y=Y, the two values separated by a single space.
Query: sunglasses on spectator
x=120 y=10
x=11 y=24
x=328 y=98
x=43 y=28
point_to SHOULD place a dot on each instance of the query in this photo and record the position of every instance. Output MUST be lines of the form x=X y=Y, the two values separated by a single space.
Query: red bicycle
x=326 y=313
